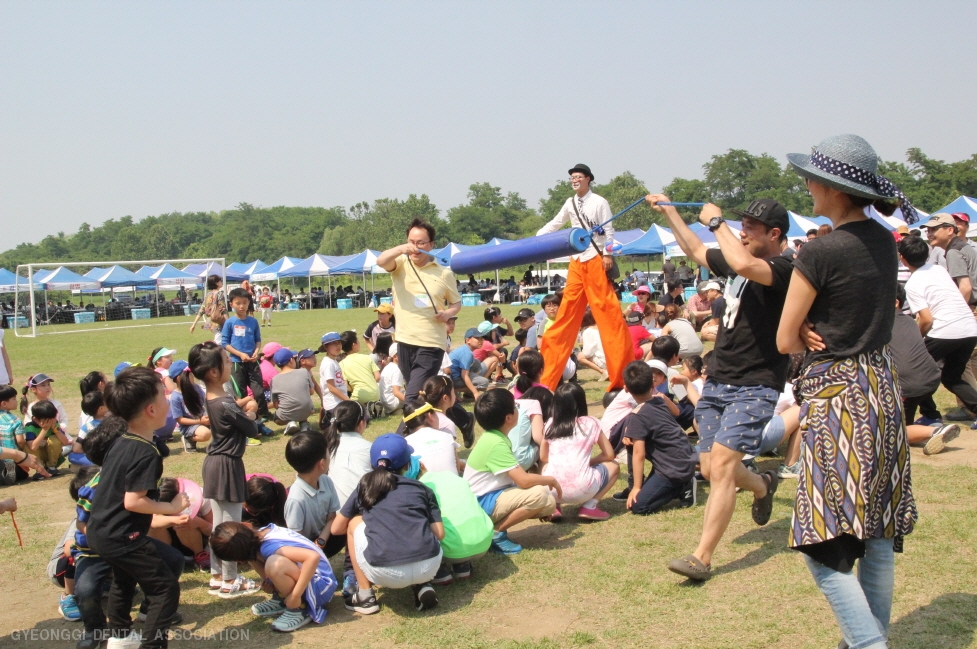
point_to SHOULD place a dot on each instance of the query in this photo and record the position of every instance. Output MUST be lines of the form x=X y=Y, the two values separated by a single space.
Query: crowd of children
x=404 y=510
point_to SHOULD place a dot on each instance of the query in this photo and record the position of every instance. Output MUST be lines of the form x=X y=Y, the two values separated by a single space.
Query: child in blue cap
x=393 y=527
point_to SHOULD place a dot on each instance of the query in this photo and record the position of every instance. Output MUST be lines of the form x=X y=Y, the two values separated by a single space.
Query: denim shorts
x=605 y=477
x=734 y=415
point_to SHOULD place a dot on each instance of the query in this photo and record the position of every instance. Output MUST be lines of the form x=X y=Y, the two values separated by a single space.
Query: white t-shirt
x=350 y=463
x=618 y=409
x=4 y=377
x=389 y=377
x=329 y=371
x=931 y=287
x=786 y=399
x=593 y=350
x=62 y=415
x=436 y=448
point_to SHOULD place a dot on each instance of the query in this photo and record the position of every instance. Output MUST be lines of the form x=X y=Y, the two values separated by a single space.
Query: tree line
x=247 y=232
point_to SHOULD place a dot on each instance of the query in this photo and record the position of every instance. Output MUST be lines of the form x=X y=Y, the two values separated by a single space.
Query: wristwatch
x=321 y=542
x=715 y=222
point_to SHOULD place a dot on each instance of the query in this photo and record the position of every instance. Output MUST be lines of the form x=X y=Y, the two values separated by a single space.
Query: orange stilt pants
x=587 y=284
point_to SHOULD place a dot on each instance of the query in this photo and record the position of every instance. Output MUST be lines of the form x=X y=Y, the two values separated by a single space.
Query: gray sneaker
x=942 y=435
x=272 y=607
x=792 y=472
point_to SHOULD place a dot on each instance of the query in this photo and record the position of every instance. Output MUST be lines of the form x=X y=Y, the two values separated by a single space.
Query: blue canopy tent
x=363 y=263
x=246 y=268
x=8 y=282
x=167 y=276
x=271 y=271
x=652 y=242
x=62 y=279
x=801 y=225
x=116 y=276
x=213 y=268
x=315 y=266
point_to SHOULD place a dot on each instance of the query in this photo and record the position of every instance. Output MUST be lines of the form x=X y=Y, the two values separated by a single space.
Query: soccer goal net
x=74 y=297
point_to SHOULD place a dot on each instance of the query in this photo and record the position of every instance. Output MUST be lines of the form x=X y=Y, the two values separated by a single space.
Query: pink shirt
x=268 y=372
x=569 y=462
x=482 y=352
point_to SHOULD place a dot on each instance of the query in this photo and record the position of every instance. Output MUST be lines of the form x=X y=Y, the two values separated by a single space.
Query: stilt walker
x=587 y=285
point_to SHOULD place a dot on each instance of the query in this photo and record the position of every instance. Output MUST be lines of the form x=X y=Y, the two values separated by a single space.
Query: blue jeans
x=861 y=604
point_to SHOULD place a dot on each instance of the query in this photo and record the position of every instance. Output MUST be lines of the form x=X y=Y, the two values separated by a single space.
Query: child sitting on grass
x=361 y=373
x=186 y=533
x=291 y=393
x=293 y=570
x=331 y=379
x=42 y=388
x=505 y=491
x=651 y=432
x=437 y=450
x=349 y=453
x=93 y=405
x=392 y=384
x=90 y=383
x=566 y=453
x=188 y=406
x=527 y=435
x=312 y=501
x=44 y=438
x=12 y=434
x=265 y=502
x=393 y=527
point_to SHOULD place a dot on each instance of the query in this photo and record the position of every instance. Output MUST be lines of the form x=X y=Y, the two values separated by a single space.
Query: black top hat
x=582 y=168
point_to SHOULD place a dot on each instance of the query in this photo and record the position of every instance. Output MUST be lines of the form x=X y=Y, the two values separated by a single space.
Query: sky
x=110 y=109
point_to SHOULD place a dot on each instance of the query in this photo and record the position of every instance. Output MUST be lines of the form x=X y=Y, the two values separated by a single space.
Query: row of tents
x=656 y=240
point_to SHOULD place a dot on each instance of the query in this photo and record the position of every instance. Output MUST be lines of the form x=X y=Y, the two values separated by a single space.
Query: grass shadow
x=949 y=621
x=771 y=538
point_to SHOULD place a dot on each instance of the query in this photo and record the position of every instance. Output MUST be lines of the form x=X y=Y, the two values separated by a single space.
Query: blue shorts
x=734 y=415
x=605 y=477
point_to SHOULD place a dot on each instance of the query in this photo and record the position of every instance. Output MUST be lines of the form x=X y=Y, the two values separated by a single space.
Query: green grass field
x=575 y=584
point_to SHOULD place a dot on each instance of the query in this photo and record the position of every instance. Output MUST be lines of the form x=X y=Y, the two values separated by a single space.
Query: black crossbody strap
x=418 y=275
x=584 y=222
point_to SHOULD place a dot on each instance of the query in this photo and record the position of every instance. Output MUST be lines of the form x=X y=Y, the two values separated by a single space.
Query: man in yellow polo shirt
x=425 y=297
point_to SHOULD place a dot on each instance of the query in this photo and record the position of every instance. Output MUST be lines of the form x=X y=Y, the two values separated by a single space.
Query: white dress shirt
x=593 y=208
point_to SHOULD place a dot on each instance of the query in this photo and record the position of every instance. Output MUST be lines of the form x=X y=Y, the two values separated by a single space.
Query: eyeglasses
x=577 y=177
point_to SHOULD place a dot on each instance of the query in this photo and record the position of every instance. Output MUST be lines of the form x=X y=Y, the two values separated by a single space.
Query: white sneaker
x=131 y=641
x=291 y=428
x=940 y=437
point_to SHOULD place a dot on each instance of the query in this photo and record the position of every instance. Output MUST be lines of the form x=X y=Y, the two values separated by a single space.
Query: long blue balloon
x=519 y=253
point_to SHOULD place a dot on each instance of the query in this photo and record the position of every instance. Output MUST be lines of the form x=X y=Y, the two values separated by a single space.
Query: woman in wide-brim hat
x=854 y=499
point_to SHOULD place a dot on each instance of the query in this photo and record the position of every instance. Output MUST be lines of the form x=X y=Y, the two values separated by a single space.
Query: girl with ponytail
x=530 y=366
x=188 y=406
x=393 y=528
x=348 y=452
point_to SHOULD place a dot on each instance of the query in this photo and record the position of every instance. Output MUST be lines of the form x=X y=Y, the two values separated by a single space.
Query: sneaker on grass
x=622 y=495
x=69 y=608
x=363 y=604
x=444 y=575
x=462 y=570
x=272 y=607
x=253 y=442
x=942 y=435
x=424 y=596
x=502 y=545
x=791 y=472
x=291 y=620
x=349 y=586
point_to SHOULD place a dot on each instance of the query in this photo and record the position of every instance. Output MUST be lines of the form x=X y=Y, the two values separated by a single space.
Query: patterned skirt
x=856 y=477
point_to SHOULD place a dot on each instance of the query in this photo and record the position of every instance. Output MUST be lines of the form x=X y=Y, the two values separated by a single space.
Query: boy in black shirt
x=651 y=432
x=127 y=499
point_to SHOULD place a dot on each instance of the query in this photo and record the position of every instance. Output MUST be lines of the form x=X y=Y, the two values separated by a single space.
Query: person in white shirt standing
x=587 y=284
x=946 y=322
